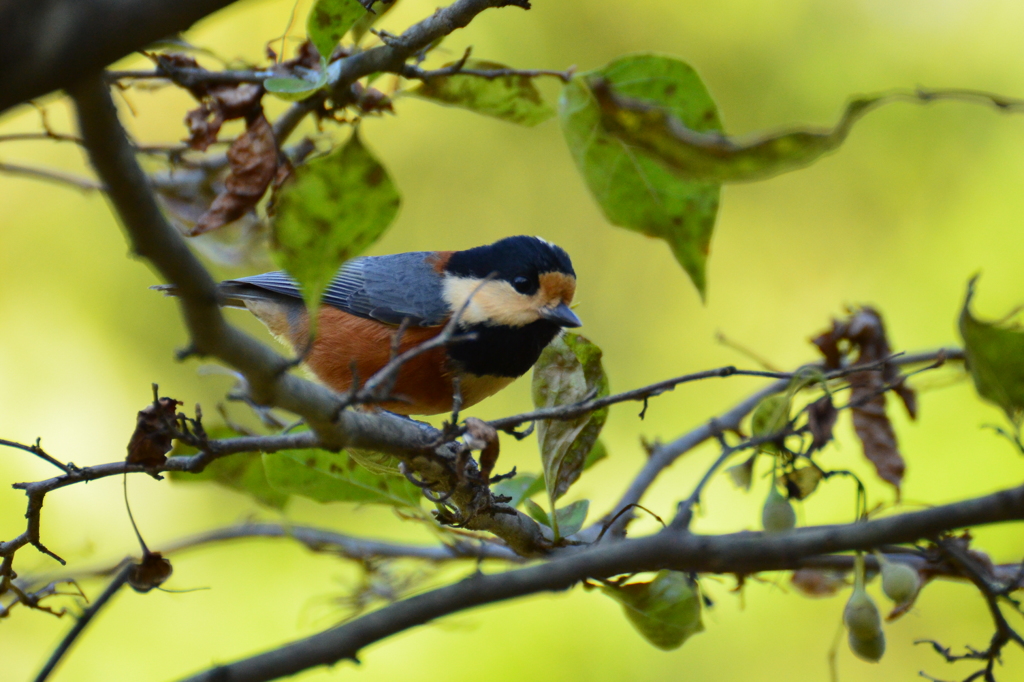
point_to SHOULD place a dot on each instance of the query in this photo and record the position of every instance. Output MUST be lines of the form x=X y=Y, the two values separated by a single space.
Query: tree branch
x=740 y=553
x=83 y=621
x=49 y=44
x=664 y=455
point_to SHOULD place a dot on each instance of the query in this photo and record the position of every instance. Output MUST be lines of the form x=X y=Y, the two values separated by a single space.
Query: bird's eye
x=523 y=285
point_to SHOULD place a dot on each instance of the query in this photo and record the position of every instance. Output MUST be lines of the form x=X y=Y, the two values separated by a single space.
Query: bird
x=514 y=297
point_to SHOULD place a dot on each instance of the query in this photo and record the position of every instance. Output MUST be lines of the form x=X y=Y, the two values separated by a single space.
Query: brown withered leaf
x=371 y=100
x=253 y=162
x=821 y=419
x=874 y=429
x=203 y=125
x=483 y=436
x=149 y=573
x=864 y=333
x=152 y=438
x=818 y=582
x=218 y=104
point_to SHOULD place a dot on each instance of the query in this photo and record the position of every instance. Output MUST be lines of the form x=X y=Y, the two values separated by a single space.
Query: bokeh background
x=917 y=200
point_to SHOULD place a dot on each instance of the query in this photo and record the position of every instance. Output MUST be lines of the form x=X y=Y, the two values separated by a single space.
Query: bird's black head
x=533 y=280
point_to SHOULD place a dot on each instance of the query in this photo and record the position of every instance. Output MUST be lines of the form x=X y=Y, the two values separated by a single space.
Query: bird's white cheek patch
x=493 y=303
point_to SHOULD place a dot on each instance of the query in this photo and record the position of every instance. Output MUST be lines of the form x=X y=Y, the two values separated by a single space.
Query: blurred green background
x=916 y=201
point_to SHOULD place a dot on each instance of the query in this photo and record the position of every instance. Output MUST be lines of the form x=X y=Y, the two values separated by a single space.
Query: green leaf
x=666 y=611
x=570 y=518
x=701 y=156
x=568 y=371
x=329 y=21
x=536 y=512
x=524 y=486
x=242 y=472
x=510 y=98
x=335 y=477
x=596 y=454
x=297 y=89
x=995 y=358
x=518 y=488
x=633 y=189
x=335 y=207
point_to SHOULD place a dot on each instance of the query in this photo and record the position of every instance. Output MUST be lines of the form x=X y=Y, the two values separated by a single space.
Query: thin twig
x=83 y=621
x=38 y=451
x=59 y=177
x=415 y=72
x=573 y=410
x=664 y=455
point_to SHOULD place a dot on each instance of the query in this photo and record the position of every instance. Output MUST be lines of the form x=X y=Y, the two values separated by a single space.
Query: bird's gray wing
x=385 y=288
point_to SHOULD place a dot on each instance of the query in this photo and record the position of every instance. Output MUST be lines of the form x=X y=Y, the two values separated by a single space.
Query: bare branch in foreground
x=739 y=553
x=37 y=58
x=83 y=621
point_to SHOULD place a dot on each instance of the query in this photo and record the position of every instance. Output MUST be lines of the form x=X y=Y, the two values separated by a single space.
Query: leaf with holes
x=329 y=21
x=332 y=209
x=704 y=157
x=568 y=371
x=510 y=98
x=995 y=358
x=634 y=189
x=666 y=611
x=335 y=477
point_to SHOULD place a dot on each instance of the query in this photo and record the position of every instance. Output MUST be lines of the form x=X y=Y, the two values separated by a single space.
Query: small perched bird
x=513 y=316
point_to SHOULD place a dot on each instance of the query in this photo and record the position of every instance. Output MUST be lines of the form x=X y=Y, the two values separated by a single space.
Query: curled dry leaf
x=149 y=573
x=821 y=419
x=253 y=162
x=864 y=332
x=221 y=103
x=153 y=434
x=482 y=436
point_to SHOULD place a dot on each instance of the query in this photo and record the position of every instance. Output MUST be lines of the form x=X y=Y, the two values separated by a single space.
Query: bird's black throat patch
x=503 y=351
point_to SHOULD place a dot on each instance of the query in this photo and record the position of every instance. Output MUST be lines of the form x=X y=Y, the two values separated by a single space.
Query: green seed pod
x=869 y=649
x=899 y=581
x=777 y=514
x=861 y=615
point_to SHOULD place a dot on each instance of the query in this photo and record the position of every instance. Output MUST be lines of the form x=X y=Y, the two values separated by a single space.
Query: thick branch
x=740 y=553
x=50 y=44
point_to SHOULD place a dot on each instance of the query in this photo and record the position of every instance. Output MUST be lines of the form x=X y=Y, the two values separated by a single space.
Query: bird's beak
x=561 y=315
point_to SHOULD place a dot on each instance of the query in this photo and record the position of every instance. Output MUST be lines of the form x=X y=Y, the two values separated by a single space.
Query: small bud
x=778 y=514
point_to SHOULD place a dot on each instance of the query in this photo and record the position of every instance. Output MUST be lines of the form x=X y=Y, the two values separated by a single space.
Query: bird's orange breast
x=347 y=342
